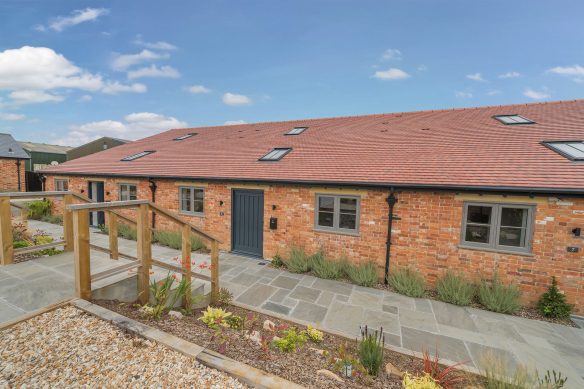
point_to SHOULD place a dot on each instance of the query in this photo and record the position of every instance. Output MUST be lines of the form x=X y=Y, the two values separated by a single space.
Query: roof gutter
x=530 y=191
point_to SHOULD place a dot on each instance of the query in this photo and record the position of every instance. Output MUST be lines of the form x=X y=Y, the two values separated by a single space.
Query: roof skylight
x=133 y=157
x=513 y=119
x=296 y=131
x=186 y=136
x=573 y=150
x=276 y=154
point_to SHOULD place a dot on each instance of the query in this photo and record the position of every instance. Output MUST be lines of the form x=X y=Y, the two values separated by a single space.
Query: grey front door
x=247 y=222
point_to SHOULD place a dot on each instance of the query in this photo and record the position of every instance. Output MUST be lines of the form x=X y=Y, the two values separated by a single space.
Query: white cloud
x=234 y=99
x=536 y=95
x=160 y=45
x=33 y=96
x=422 y=68
x=576 y=71
x=134 y=126
x=391 y=54
x=463 y=95
x=509 y=75
x=197 y=89
x=77 y=17
x=475 y=77
x=115 y=87
x=86 y=98
x=234 y=122
x=11 y=116
x=391 y=74
x=154 y=71
x=493 y=92
x=123 y=61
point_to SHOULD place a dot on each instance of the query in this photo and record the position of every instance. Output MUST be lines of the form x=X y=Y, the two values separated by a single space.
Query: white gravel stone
x=68 y=348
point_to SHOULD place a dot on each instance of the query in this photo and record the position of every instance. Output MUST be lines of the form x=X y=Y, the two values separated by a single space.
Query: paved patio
x=461 y=334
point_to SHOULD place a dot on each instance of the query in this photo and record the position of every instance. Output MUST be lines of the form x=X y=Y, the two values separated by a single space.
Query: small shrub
x=173 y=239
x=498 y=297
x=314 y=335
x=549 y=382
x=446 y=377
x=290 y=340
x=419 y=382
x=299 y=262
x=164 y=296
x=19 y=244
x=324 y=268
x=370 y=350
x=53 y=219
x=235 y=322
x=407 y=281
x=38 y=209
x=364 y=274
x=20 y=232
x=454 y=289
x=553 y=303
x=127 y=232
x=215 y=317
x=497 y=375
x=277 y=261
x=224 y=297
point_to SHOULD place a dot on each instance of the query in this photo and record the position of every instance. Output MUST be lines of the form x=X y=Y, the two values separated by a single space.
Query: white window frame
x=192 y=190
x=121 y=190
x=495 y=228
x=336 y=214
x=61 y=184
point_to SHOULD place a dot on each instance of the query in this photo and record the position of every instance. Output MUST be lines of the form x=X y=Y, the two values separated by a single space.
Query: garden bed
x=300 y=366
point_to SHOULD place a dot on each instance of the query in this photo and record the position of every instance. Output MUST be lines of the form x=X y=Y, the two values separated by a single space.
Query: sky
x=73 y=71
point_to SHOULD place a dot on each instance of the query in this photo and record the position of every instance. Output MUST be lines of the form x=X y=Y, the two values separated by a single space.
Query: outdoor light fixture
x=273 y=207
x=221 y=203
x=577 y=231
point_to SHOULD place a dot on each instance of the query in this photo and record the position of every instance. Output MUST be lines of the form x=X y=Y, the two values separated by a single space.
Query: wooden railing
x=76 y=238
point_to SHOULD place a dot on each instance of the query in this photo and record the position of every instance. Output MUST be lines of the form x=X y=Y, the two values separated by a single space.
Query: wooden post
x=68 y=223
x=6 y=247
x=186 y=262
x=144 y=254
x=112 y=227
x=82 y=263
x=214 y=272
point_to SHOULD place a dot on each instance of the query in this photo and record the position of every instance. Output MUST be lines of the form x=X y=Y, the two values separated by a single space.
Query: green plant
x=277 y=261
x=553 y=303
x=39 y=208
x=298 y=262
x=235 y=322
x=498 y=376
x=173 y=239
x=224 y=297
x=455 y=289
x=364 y=274
x=370 y=350
x=20 y=232
x=124 y=231
x=419 y=382
x=18 y=244
x=215 y=317
x=314 y=335
x=324 y=268
x=40 y=238
x=547 y=382
x=342 y=359
x=446 y=377
x=407 y=281
x=290 y=340
x=164 y=296
x=498 y=297
x=53 y=219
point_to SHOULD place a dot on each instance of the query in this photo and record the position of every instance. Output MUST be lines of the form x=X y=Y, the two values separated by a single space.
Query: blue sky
x=71 y=71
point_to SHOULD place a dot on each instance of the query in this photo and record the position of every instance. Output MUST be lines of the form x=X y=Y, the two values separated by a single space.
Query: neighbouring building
x=41 y=156
x=480 y=190
x=101 y=144
x=12 y=161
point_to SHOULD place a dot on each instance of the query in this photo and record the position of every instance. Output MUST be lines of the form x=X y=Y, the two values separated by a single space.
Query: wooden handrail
x=119 y=215
x=32 y=195
x=40 y=247
x=92 y=207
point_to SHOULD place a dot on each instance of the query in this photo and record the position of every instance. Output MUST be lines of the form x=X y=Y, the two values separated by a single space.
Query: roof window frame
x=296 y=131
x=135 y=156
x=550 y=145
x=265 y=158
x=527 y=121
x=186 y=136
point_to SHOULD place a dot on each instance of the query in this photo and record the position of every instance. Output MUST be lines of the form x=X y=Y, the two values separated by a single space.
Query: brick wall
x=9 y=175
x=427 y=237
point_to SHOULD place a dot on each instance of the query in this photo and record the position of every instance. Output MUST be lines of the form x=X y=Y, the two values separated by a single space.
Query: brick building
x=475 y=190
x=12 y=165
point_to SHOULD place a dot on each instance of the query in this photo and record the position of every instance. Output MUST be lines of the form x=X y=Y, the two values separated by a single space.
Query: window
x=128 y=192
x=573 y=150
x=503 y=227
x=137 y=155
x=513 y=119
x=191 y=200
x=186 y=136
x=337 y=213
x=276 y=154
x=296 y=131
x=61 y=185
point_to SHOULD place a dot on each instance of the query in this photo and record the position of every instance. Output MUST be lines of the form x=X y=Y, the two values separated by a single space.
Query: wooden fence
x=76 y=239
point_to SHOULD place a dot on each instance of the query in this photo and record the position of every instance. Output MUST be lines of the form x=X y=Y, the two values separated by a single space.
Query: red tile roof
x=446 y=148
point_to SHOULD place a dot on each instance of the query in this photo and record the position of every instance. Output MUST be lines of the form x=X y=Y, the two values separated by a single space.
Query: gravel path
x=68 y=348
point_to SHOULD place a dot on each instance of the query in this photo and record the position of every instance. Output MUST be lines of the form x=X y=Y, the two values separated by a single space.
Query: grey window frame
x=138 y=155
x=551 y=144
x=266 y=158
x=120 y=185
x=191 y=200
x=527 y=121
x=61 y=180
x=296 y=131
x=336 y=214
x=495 y=227
x=186 y=136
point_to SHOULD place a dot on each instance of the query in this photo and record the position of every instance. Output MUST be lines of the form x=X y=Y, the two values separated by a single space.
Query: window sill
x=500 y=251
x=191 y=214
x=336 y=232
